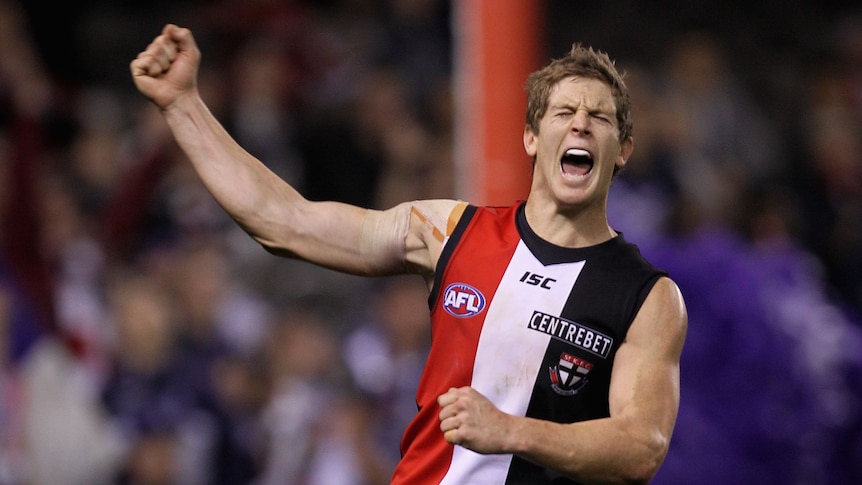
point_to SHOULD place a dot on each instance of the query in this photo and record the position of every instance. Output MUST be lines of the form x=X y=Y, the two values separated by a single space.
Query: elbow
x=649 y=456
x=641 y=474
x=638 y=473
x=268 y=243
x=277 y=243
x=273 y=236
x=276 y=250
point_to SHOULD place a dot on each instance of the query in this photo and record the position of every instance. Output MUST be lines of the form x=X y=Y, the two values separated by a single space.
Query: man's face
x=577 y=146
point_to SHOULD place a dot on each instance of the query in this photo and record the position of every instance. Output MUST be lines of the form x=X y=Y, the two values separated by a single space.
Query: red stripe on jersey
x=426 y=455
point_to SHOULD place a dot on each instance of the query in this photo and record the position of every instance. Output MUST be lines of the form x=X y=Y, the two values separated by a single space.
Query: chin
x=580 y=198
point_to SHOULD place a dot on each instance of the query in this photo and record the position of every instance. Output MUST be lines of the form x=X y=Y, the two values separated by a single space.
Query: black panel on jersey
x=611 y=288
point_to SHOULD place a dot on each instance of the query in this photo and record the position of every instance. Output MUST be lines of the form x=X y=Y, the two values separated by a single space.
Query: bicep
x=361 y=241
x=645 y=380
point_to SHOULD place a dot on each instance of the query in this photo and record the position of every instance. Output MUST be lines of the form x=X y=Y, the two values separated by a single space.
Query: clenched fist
x=469 y=419
x=167 y=69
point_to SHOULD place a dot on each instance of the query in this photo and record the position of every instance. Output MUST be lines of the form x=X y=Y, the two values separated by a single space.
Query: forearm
x=250 y=193
x=611 y=450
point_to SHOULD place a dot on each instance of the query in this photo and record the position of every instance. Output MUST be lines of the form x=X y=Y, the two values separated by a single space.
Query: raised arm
x=331 y=234
x=627 y=447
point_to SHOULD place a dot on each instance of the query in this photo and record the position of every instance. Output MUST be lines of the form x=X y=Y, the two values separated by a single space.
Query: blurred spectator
x=719 y=141
x=77 y=260
x=27 y=100
x=217 y=315
x=647 y=189
x=261 y=110
x=152 y=393
x=94 y=165
x=828 y=170
x=242 y=387
x=68 y=436
x=413 y=157
x=386 y=354
x=764 y=332
x=314 y=434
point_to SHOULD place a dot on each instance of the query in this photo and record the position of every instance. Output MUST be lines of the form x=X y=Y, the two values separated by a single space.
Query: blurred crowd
x=144 y=339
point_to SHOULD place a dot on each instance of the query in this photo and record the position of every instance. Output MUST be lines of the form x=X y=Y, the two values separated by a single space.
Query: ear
x=626 y=148
x=530 y=141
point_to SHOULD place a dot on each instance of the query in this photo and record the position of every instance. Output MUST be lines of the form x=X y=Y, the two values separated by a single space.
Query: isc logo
x=462 y=300
x=537 y=280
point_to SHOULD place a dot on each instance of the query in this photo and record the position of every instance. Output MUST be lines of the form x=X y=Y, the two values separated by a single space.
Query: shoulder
x=662 y=314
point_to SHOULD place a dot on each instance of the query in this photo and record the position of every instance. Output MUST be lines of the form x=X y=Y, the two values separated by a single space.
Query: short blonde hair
x=583 y=62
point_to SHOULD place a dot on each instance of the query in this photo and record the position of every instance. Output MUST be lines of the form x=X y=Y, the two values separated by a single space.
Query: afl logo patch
x=462 y=300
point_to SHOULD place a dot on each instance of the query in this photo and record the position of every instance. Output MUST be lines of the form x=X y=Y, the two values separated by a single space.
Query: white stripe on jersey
x=509 y=354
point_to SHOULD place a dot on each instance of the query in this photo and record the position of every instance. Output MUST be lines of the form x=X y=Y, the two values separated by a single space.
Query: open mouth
x=576 y=162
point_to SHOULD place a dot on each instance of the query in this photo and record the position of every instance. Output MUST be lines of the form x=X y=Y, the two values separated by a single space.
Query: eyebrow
x=590 y=110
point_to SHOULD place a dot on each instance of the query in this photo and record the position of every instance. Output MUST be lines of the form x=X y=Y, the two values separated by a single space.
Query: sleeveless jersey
x=532 y=326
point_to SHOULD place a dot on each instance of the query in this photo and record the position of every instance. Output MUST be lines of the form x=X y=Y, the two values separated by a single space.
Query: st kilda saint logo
x=569 y=375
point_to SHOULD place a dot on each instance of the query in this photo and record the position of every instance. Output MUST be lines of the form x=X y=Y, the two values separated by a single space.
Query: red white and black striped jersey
x=532 y=326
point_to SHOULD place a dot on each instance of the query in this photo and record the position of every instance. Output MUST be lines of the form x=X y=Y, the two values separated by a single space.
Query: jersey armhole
x=644 y=292
x=459 y=219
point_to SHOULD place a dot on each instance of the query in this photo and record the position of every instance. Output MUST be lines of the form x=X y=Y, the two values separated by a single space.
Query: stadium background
x=144 y=338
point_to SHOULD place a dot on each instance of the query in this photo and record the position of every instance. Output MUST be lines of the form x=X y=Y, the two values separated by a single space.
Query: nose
x=581 y=122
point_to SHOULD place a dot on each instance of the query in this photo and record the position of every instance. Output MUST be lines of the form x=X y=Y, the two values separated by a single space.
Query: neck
x=572 y=228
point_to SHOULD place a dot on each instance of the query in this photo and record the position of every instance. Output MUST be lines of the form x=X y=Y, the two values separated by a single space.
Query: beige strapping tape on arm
x=383 y=241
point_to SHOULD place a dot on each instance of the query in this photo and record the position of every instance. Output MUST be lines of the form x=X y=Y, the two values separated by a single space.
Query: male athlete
x=555 y=352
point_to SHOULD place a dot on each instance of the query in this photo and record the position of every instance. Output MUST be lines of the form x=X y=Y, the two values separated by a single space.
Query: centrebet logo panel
x=462 y=300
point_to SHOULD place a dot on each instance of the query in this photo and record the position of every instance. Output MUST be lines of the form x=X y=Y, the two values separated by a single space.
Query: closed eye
x=601 y=117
